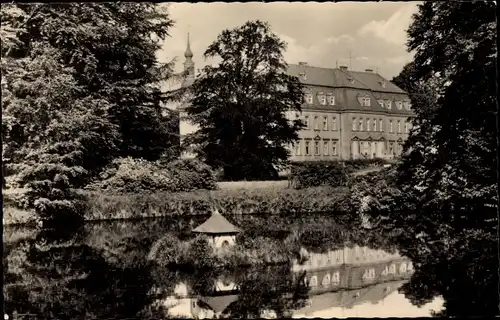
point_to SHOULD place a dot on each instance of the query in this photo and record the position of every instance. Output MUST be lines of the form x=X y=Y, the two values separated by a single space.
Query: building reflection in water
x=339 y=278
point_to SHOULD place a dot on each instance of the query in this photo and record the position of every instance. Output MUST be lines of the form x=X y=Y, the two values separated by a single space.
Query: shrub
x=332 y=173
x=137 y=175
x=316 y=173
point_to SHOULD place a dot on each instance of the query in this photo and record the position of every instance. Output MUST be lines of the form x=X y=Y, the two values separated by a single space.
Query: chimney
x=302 y=63
x=344 y=68
x=369 y=70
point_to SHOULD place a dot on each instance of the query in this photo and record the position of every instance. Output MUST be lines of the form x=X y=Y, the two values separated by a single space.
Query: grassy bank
x=272 y=200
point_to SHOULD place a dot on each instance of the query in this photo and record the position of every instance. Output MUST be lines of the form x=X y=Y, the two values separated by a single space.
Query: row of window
x=371 y=125
x=329 y=98
x=325 y=148
x=369 y=274
x=322 y=98
x=323 y=124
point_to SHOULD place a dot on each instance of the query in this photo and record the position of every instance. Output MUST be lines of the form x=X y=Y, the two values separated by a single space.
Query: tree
x=447 y=198
x=240 y=105
x=80 y=86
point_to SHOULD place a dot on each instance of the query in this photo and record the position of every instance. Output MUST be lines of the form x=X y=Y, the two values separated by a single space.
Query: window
x=322 y=99
x=399 y=104
x=399 y=126
x=382 y=83
x=326 y=280
x=331 y=100
x=354 y=124
x=297 y=148
x=407 y=104
x=402 y=268
x=314 y=281
x=406 y=127
x=361 y=124
x=334 y=148
x=392 y=269
x=390 y=127
x=388 y=104
x=336 y=277
x=316 y=123
x=308 y=150
x=381 y=125
x=325 y=148
x=306 y=122
x=374 y=124
x=368 y=127
x=365 y=101
x=309 y=98
x=325 y=123
x=334 y=123
x=316 y=148
x=381 y=103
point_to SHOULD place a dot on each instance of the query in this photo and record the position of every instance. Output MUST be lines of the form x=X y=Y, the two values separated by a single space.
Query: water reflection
x=102 y=271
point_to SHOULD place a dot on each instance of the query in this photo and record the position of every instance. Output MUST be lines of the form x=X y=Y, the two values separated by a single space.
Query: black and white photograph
x=249 y=160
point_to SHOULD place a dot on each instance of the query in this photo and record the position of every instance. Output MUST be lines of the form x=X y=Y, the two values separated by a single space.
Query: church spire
x=188 y=53
x=188 y=65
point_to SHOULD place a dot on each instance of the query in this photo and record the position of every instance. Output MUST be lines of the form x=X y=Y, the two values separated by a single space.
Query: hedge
x=331 y=173
x=164 y=204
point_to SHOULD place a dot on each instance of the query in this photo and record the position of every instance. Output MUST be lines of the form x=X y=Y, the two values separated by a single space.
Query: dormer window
x=309 y=98
x=407 y=105
x=322 y=98
x=388 y=104
x=399 y=104
x=351 y=80
x=303 y=76
x=331 y=99
x=365 y=101
x=381 y=103
x=382 y=83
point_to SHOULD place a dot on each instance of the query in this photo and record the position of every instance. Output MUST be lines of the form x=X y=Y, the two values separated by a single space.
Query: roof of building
x=349 y=86
x=216 y=224
x=219 y=303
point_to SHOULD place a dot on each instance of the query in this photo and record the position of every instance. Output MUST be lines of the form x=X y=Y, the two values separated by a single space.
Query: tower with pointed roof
x=185 y=127
x=188 y=65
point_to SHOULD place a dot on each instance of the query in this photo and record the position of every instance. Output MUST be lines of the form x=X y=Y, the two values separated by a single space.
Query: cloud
x=392 y=30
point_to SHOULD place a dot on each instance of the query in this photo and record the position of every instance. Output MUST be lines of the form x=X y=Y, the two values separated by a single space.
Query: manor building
x=349 y=115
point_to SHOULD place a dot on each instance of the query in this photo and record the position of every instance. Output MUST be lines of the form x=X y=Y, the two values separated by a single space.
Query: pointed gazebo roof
x=216 y=224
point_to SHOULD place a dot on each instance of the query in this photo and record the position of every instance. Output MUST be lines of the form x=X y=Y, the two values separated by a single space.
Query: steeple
x=188 y=65
x=188 y=53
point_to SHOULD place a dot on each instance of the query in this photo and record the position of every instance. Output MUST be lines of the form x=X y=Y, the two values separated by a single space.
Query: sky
x=321 y=34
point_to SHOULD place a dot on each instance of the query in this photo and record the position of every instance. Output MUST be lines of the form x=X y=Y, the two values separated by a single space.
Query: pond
x=102 y=271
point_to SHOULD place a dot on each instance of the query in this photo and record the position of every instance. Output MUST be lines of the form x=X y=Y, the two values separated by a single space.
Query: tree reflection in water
x=102 y=272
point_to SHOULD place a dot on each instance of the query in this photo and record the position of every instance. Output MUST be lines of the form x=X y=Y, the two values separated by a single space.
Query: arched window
x=326 y=280
x=314 y=281
x=402 y=268
x=336 y=277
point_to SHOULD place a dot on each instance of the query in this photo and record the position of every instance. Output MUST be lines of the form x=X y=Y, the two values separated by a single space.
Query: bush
x=137 y=175
x=332 y=173
x=316 y=173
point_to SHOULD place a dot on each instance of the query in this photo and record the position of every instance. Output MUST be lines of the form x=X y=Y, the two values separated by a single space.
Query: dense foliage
x=128 y=175
x=241 y=105
x=444 y=194
x=80 y=86
x=330 y=173
x=258 y=201
x=316 y=173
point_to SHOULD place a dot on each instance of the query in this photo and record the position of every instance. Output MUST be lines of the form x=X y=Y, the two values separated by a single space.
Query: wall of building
x=344 y=142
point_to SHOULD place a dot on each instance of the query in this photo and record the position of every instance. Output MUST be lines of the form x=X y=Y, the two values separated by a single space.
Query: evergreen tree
x=240 y=105
x=80 y=86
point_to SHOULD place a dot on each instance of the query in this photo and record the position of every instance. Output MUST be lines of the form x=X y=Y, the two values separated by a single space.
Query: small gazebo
x=221 y=233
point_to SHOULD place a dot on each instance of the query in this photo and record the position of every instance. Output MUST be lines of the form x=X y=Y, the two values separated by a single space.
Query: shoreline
x=253 y=202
